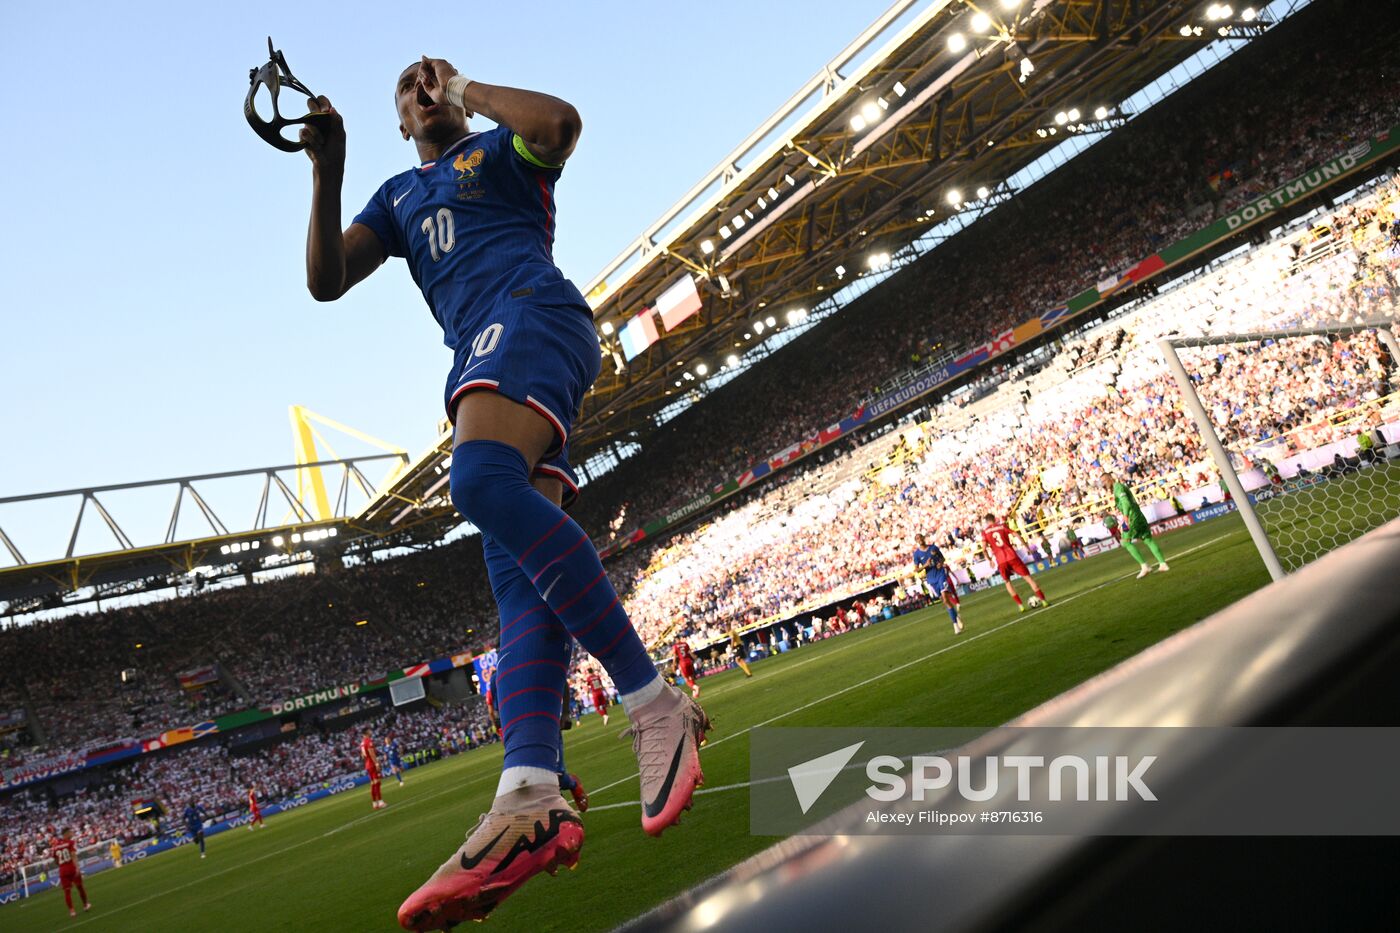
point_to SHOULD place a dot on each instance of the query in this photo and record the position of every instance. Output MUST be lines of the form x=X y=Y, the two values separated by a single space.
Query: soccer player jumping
x=996 y=537
x=1136 y=527
x=475 y=223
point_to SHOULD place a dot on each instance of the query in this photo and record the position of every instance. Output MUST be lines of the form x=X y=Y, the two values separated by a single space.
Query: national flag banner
x=680 y=301
x=417 y=670
x=786 y=455
x=1027 y=331
x=462 y=660
x=196 y=677
x=176 y=736
x=1003 y=341
x=1053 y=316
x=638 y=334
x=152 y=745
x=201 y=729
x=1148 y=267
x=975 y=355
x=1107 y=286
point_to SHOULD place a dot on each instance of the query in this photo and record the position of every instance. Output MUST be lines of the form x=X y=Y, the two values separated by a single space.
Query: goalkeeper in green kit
x=1135 y=527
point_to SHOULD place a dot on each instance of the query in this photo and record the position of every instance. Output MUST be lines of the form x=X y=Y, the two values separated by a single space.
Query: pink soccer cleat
x=666 y=735
x=526 y=832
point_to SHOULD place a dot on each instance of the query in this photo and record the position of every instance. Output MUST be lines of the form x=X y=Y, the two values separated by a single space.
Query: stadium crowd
x=218 y=780
x=825 y=532
x=272 y=641
x=1303 y=92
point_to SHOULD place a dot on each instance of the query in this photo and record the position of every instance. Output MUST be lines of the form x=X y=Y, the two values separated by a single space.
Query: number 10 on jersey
x=441 y=231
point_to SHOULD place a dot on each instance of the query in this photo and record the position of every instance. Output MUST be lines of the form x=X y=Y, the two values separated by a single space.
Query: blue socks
x=531 y=667
x=556 y=582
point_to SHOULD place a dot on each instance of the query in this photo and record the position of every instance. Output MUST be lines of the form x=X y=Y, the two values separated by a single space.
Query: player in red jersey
x=254 y=811
x=65 y=852
x=997 y=537
x=598 y=696
x=685 y=664
x=372 y=769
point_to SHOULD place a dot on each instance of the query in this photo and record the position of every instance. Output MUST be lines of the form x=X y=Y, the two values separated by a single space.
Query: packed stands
x=827 y=531
x=208 y=773
x=272 y=641
x=1277 y=107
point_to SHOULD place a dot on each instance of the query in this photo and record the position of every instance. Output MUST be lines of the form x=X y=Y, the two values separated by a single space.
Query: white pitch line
x=632 y=803
x=908 y=664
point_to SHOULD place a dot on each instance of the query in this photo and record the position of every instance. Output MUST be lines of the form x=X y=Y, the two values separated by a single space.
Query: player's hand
x=433 y=74
x=325 y=140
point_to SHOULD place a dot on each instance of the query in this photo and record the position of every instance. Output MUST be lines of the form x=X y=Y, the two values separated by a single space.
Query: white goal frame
x=1218 y=453
x=47 y=866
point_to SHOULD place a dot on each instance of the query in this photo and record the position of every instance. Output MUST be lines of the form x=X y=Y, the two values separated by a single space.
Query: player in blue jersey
x=392 y=757
x=475 y=223
x=194 y=824
x=938 y=576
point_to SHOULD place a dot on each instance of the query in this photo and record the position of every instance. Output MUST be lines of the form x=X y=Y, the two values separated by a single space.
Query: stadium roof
x=935 y=101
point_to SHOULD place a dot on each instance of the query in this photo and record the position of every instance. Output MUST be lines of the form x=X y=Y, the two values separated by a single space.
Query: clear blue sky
x=155 y=320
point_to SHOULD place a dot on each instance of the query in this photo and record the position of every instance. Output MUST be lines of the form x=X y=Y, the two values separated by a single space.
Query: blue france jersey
x=475 y=226
x=930 y=559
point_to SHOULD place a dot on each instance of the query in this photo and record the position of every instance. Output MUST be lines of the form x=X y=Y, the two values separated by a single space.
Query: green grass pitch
x=335 y=865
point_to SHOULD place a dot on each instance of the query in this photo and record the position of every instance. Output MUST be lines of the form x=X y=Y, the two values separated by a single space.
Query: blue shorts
x=938 y=581
x=538 y=349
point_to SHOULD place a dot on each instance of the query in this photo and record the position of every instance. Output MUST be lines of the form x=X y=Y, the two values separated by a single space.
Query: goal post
x=46 y=869
x=1298 y=420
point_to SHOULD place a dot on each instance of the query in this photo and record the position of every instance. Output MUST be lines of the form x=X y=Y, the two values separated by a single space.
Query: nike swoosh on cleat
x=654 y=808
x=470 y=862
x=557 y=818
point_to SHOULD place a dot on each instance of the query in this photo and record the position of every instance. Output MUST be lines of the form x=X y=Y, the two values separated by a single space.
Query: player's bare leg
x=743 y=666
x=1020 y=607
x=1035 y=588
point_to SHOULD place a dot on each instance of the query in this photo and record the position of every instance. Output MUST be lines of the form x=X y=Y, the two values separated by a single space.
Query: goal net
x=1303 y=428
x=90 y=858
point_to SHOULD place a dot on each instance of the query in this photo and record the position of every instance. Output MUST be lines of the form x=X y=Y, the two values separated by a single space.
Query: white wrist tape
x=456 y=89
